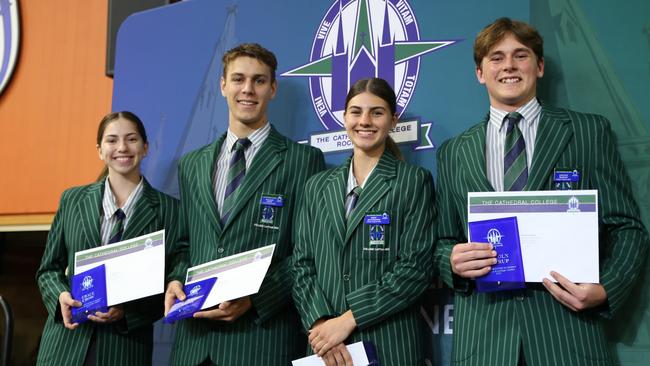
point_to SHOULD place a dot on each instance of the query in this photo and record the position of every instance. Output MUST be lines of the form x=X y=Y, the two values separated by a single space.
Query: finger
x=478 y=273
x=312 y=336
x=329 y=360
x=314 y=345
x=102 y=315
x=225 y=305
x=559 y=294
x=69 y=301
x=469 y=247
x=179 y=294
x=472 y=271
x=463 y=266
x=214 y=314
x=470 y=261
x=474 y=255
x=67 y=320
x=338 y=358
x=347 y=357
x=568 y=285
x=98 y=319
x=115 y=313
x=71 y=326
x=170 y=299
x=175 y=289
x=324 y=347
x=317 y=346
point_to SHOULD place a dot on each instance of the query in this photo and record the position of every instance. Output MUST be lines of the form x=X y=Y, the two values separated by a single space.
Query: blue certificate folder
x=89 y=288
x=196 y=294
x=503 y=234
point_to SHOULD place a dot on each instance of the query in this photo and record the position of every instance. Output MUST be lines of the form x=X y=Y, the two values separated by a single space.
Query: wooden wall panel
x=50 y=111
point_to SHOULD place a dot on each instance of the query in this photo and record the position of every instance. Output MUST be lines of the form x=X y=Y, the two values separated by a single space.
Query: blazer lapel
x=144 y=212
x=376 y=187
x=270 y=155
x=90 y=208
x=472 y=158
x=205 y=170
x=335 y=199
x=554 y=132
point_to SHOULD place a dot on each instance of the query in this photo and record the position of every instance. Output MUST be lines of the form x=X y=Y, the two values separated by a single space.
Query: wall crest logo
x=359 y=39
x=9 y=40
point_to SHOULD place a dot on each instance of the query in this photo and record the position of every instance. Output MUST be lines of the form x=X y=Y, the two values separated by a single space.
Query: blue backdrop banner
x=168 y=68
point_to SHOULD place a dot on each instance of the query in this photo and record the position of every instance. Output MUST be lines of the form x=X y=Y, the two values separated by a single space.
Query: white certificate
x=135 y=268
x=558 y=230
x=357 y=352
x=238 y=275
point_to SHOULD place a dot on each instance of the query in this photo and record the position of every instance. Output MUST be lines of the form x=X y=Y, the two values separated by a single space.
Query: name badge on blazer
x=563 y=179
x=269 y=206
x=377 y=223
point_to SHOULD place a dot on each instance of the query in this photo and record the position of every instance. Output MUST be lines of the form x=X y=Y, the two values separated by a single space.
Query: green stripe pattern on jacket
x=490 y=327
x=269 y=333
x=76 y=227
x=336 y=268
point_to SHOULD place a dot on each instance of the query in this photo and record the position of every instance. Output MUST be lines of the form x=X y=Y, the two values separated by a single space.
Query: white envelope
x=237 y=275
x=135 y=268
x=558 y=229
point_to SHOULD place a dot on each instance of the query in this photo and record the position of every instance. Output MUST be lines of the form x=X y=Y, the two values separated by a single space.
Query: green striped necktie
x=118 y=229
x=235 y=177
x=515 y=168
x=351 y=201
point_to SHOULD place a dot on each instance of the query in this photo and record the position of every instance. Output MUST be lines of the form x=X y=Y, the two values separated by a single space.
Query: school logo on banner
x=359 y=39
x=9 y=37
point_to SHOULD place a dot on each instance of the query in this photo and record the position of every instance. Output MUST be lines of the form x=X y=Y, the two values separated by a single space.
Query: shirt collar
x=257 y=137
x=109 y=205
x=352 y=180
x=530 y=111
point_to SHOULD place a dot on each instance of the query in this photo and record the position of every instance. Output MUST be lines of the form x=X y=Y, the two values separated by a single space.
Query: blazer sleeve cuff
x=51 y=300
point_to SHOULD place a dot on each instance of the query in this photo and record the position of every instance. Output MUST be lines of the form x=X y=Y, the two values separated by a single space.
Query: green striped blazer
x=490 y=327
x=76 y=227
x=337 y=268
x=269 y=333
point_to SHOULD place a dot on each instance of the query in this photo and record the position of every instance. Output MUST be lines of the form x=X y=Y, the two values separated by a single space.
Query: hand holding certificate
x=558 y=230
x=89 y=287
x=362 y=353
x=236 y=276
x=503 y=235
x=132 y=269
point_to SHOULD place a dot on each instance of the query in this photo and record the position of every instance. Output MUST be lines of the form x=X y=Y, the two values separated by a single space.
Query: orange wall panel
x=50 y=111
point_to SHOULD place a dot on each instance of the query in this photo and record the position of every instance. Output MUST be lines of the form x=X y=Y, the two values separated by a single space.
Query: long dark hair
x=380 y=88
x=129 y=116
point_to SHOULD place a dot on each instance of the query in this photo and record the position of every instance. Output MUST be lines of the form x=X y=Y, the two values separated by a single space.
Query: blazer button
x=220 y=250
x=519 y=297
x=346 y=277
